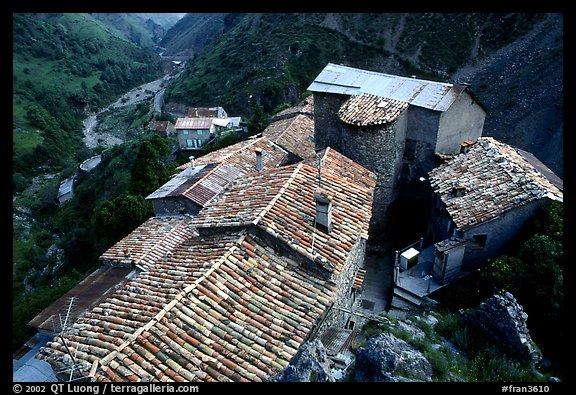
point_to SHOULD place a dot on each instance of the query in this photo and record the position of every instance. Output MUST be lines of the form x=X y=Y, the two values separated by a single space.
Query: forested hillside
x=64 y=67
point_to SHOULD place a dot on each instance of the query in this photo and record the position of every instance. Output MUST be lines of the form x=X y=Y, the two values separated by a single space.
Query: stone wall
x=327 y=126
x=379 y=149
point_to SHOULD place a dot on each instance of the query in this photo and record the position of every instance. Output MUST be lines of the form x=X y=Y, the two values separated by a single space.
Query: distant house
x=66 y=190
x=207 y=112
x=232 y=294
x=163 y=128
x=482 y=199
x=194 y=133
x=392 y=125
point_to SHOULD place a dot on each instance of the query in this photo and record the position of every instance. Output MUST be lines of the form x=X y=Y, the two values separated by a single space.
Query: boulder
x=310 y=364
x=387 y=358
x=502 y=319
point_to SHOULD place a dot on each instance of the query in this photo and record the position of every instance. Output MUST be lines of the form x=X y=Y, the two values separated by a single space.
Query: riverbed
x=144 y=92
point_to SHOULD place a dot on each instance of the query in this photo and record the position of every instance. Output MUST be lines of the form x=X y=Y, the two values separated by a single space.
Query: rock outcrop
x=387 y=358
x=502 y=319
x=310 y=364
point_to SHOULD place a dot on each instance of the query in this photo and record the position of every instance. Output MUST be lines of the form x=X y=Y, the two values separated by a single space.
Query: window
x=199 y=133
x=480 y=240
x=189 y=143
x=185 y=132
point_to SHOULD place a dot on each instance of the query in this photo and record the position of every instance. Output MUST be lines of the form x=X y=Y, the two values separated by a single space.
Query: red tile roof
x=200 y=184
x=295 y=135
x=193 y=123
x=281 y=202
x=242 y=155
x=367 y=109
x=155 y=238
x=222 y=305
x=493 y=178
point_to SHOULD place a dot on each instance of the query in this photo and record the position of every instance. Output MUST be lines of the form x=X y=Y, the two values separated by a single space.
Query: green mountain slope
x=64 y=66
x=192 y=33
x=132 y=27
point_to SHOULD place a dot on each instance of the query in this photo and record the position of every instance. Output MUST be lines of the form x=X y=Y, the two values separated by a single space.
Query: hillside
x=65 y=66
x=270 y=59
x=192 y=33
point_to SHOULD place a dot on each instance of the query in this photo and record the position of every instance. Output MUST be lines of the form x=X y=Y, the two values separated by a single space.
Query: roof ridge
x=292 y=120
x=177 y=298
x=151 y=249
x=278 y=195
x=202 y=178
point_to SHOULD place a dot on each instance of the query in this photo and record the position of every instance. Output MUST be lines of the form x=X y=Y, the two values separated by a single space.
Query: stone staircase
x=404 y=299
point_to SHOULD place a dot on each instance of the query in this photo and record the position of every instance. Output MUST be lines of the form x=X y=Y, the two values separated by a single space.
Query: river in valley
x=155 y=89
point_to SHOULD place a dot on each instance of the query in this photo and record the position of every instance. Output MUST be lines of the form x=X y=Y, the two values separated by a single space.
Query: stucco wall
x=500 y=231
x=464 y=120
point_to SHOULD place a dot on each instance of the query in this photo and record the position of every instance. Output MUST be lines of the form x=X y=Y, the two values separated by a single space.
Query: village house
x=194 y=133
x=191 y=189
x=482 y=199
x=231 y=294
x=394 y=126
x=163 y=128
x=285 y=141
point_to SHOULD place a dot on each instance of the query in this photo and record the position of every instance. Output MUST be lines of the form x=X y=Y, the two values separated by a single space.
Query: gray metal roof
x=346 y=80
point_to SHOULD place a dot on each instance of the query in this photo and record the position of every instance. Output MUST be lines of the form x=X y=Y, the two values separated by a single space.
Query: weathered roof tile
x=488 y=180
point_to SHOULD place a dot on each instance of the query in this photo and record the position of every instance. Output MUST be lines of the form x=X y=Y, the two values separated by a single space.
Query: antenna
x=64 y=322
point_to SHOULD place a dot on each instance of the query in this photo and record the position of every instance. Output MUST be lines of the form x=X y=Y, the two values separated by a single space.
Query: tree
x=114 y=219
x=259 y=121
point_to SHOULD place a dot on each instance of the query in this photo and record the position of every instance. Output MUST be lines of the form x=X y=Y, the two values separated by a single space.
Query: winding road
x=144 y=92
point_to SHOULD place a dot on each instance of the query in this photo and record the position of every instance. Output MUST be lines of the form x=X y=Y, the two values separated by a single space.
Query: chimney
x=323 y=211
x=258 y=159
x=191 y=158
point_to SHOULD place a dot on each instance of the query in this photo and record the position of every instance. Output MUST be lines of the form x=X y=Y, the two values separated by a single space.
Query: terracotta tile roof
x=367 y=109
x=122 y=315
x=294 y=134
x=305 y=107
x=492 y=178
x=199 y=184
x=333 y=162
x=281 y=202
x=241 y=319
x=242 y=155
x=145 y=245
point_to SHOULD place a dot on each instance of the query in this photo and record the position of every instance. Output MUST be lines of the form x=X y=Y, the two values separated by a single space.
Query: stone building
x=394 y=126
x=482 y=199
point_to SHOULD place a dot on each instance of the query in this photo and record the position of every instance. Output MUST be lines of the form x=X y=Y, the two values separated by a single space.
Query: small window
x=199 y=133
x=185 y=132
x=480 y=240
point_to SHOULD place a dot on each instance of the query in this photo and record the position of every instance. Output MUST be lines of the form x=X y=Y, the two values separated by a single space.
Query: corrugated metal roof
x=193 y=123
x=346 y=80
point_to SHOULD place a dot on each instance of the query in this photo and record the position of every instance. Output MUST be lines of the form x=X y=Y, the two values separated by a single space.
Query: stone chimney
x=191 y=158
x=258 y=159
x=323 y=211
